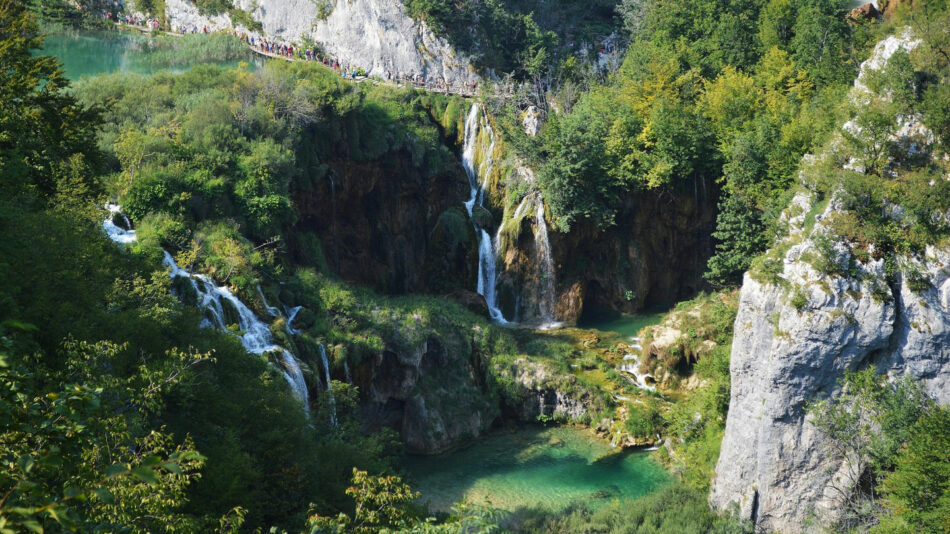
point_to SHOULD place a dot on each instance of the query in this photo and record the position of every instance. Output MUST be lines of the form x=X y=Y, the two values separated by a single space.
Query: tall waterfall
x=326 y=372
x=476 y=123
x=546 y=295
x=257 y=338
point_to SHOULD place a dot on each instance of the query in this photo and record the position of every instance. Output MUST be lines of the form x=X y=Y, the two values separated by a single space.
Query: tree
x=917 y=492
x=866 y=425
x=775 y=24
x=381 y=502
x=77 y=457
x=820 y=44
x=40 y=124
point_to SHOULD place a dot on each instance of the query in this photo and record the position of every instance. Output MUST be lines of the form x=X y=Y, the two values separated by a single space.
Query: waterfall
x=273 y=311
x=326 y=371
x=120 y=235
x=291 y=315
x=346 y=372
x=487 y=260
x=256 y=339
x=631 y=367
x=546 y=292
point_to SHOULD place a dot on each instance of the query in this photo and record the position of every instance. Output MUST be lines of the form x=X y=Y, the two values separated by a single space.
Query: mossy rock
x=482 y=217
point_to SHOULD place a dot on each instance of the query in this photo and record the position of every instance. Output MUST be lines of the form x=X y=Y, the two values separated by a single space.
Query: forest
x=120 y=413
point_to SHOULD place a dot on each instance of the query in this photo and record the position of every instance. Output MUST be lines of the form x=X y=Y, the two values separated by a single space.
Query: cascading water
x=326 y=372
x=546 y=264
x=346 y=372
x=257 y=338
x=487 y=261
x=631 y=367
x=291 y=315
x=272 y=310
x=116 y=233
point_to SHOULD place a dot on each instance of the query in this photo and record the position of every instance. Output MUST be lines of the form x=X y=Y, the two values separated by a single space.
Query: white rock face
x=774 y=464
x=376 y=35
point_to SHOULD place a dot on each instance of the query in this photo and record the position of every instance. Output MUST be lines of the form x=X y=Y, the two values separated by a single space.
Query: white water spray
x=326 y=372
x=631 y=367
x=546 y=294
x=291 y=315
x=256 y=338
x=477 y=122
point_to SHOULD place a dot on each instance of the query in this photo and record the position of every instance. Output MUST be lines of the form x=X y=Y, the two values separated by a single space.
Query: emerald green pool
x=89 y=53
x=535 y=467
x=626 y=325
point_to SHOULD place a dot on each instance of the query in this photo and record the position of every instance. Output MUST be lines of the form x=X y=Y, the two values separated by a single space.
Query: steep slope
x=823 y=303
x=376 y=35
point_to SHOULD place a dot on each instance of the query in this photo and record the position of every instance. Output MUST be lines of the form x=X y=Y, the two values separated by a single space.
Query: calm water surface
x=535 y=467
x=89 y=53
x=626 y=325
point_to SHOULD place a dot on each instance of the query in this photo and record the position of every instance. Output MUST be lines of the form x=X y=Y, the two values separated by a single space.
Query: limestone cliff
x=799 y=328
x=376 y=35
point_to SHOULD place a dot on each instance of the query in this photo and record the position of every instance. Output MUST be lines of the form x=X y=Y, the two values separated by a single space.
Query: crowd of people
x=147 y=23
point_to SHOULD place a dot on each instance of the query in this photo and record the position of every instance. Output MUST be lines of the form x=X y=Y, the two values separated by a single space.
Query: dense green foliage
x=707 y=92
x=888 y=434
x=698 y=421
x=676 y=509
x=113 y=396
x=521 y=37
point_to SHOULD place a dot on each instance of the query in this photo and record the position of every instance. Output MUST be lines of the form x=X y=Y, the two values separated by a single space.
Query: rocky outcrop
x=399 y=235
x=797 y=332
x=547 y=393
x=434 y=394
x=773 y=462
x=376 y=35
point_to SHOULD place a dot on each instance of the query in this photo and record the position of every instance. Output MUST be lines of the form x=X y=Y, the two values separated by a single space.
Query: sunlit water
x=89 y=53
x=534 y=467
x=627 y=326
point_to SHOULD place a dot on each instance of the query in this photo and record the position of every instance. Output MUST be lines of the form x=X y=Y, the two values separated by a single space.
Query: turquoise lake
x=535 y=467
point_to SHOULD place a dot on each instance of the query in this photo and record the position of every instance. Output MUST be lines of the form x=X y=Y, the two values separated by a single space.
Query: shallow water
x=626 y=325
x=90 y=53
x=535 y=467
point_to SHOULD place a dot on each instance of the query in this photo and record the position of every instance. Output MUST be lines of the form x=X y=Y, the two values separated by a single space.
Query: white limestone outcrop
x=376 y=35
x=797 y=336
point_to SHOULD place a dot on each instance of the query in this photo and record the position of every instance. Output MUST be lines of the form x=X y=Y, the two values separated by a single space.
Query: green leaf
x=172 y=467
x=115 y=470
x=104 y=495
x=33 y=526
x=26 y=463
x=146 y=475
x=71 y=492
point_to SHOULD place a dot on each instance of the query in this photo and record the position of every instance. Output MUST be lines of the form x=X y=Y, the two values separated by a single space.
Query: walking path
x=278 y=50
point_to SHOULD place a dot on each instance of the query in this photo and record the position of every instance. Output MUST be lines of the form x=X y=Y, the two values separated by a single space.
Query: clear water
x=90 y=53
x=627 y=326
x=535 y=467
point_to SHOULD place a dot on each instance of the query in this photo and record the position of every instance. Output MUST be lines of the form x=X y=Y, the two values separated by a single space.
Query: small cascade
x=120 y=235
x=291 y=315
x=487 y=260
x=546 y=295
x=256 y=337
x=273 y=311
x=346 y=372
x=631 y=368
x=326 y=372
